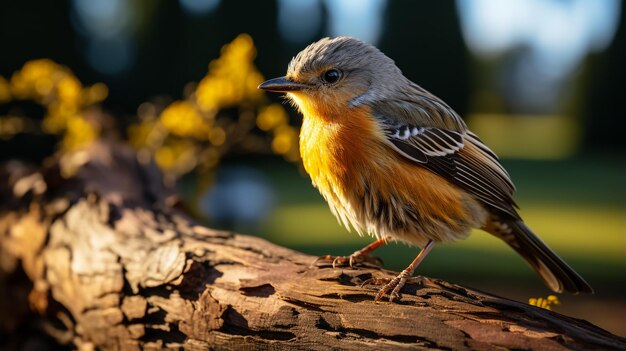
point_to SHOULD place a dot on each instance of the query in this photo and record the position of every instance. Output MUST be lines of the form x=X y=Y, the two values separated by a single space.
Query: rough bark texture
x=104 y=259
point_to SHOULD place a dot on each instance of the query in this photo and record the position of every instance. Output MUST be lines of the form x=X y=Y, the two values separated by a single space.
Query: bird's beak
x=282 y=84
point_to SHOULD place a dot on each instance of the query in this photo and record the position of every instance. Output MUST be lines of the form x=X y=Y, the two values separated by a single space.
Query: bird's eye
x=331 y=76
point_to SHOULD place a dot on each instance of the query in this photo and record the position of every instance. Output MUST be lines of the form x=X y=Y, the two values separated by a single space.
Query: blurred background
x=542 y=82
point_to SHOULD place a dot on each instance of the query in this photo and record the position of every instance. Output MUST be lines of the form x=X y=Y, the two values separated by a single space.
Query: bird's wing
x=460 y=157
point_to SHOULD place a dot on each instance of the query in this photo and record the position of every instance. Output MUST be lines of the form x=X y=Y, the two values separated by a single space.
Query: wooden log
x=95 y=253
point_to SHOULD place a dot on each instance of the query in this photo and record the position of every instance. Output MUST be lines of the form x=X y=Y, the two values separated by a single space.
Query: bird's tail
x=555 y=273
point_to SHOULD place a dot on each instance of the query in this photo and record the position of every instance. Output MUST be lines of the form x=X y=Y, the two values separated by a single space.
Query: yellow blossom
x=232 y=78
x=217 y=114
x=546 y=303
x=165 y=157
x=271 y=117
x=284 y=139
x=217 y=136
x=62 y=95
x=69 y=89
x=96 y=93
x=182 y=119
x=79 y=133
x=177 y=157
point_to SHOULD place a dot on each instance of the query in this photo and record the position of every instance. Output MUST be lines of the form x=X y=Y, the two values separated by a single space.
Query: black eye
x=331 y=76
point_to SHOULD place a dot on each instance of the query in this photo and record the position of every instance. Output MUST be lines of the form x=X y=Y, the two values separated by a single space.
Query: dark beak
x=281 y=84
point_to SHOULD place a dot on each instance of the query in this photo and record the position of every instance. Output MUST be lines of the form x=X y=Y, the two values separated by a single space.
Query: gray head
x=338 y=72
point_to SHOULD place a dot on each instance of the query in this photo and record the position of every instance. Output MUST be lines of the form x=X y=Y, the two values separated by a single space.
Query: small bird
x=395 y=161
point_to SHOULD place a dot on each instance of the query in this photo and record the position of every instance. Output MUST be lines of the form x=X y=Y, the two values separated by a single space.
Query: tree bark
x=96 y=253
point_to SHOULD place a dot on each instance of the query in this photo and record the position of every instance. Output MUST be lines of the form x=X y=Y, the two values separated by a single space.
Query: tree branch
x=105 y=258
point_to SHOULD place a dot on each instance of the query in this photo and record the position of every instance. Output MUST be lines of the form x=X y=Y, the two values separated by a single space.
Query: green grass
x=588 y=232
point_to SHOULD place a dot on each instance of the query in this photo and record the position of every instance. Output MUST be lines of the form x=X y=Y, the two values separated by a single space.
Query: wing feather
x=458 y=156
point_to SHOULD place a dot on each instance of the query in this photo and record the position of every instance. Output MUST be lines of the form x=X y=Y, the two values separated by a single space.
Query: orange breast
x=373 y=188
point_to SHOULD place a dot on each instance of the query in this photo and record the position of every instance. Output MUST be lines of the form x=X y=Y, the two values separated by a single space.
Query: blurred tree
x=35 y=29
x=424 y=38
x=605 y=109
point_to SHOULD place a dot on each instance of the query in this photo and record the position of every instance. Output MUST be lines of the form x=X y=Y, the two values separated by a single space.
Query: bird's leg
x=398 y=282
x=358 y=257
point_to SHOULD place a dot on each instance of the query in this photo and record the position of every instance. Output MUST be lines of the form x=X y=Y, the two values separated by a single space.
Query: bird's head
x=333 y=74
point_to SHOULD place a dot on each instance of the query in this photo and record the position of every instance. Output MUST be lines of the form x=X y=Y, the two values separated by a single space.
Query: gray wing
x=460 y=157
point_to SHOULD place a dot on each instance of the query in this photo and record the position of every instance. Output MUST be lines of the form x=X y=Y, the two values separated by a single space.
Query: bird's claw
x=394 y=284
x=348 y=261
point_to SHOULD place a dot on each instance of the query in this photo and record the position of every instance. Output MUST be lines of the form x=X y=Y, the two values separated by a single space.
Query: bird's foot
x=348 y=261
x=394 y=284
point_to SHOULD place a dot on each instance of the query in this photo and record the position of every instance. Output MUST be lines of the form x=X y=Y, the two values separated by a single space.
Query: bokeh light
x=300 y=20
x=362 y=19
x=550 y=40
x=108 y=28
x=199 y=7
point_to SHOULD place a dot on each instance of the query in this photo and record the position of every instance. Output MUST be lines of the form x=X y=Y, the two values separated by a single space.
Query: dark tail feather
x=556 y=274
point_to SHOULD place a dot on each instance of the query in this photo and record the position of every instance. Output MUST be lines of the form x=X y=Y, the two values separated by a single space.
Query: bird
x=395 y=161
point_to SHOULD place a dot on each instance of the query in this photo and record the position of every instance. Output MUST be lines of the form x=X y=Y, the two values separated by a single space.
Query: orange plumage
x=345 y=166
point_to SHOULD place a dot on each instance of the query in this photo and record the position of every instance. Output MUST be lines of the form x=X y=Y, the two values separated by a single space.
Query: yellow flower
x=546 y=303
x=79 y=133
x=217 y=136
x=96 y=93
x=232 y=78
x=43 y=86
x=56 y=88
x=181 y=118
x=177 y=157
x=217 y=114
x=271 y=117
x=69 y=90
x=146 y=134
x=164 y=157
x=284 y=139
